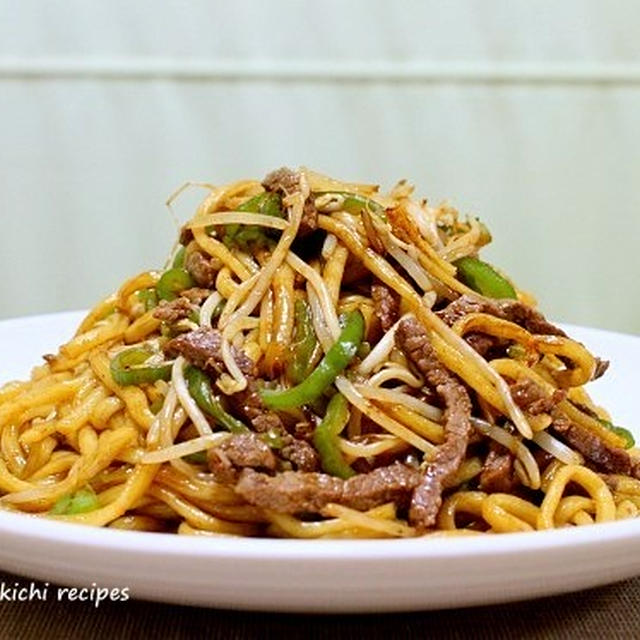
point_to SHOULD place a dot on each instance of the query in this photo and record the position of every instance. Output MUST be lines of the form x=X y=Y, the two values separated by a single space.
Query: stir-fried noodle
x=317 y=360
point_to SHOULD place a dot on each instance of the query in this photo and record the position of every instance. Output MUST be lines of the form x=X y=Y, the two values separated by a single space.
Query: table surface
x=608 y=612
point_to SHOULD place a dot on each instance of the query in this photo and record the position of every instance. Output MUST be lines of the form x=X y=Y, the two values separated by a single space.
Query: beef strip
x=173 y=311
x=512 y=310
x=309 y=220
x=602 y=455
x=386 y=304
x=200 y=268
x=186 y=236
x=300 y=453
x=283 y=180
x=543 y=458
x=249 y=404
x=248 y=450
x=532 y=398
x=197 y=295
x=413 y=340
x=482 y=342
x=299 y=492
x=287 y=181
x=202 y=348
x=242 y=450
x=182 y=307
x=498 y=474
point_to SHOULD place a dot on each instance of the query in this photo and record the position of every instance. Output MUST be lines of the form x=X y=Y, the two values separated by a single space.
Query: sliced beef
x=248 y=450
x=498 y=474
x=182 y=307
x=602 y=455
x=222 y=469
x=202 y=348
x=543 y=458
x=463 y=306
x=299 y=492
x=512 y=310
x=239 y=451
x=386 y=304
x=385 y=484
x=533 y=399
x=300 y=453
x=484 y=344
x=197 y=295
x=264 y=421
x=249 y=404
x=283 y=180
x=290 y=491
x=309 y=220
x=201 y=268
x=527 y=317
x=413 y=340
x=186 y=236
x=287 y=181
x=173 y=311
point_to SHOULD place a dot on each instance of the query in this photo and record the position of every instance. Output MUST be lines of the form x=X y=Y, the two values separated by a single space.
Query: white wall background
x=526 y=113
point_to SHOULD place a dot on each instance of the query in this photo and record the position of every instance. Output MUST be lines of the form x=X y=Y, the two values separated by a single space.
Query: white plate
x=324 y=576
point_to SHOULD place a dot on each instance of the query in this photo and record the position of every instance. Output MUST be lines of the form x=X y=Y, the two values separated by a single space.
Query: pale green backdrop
x=524 y=113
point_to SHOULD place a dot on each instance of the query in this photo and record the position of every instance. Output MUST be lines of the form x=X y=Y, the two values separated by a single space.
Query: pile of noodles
x=73 y=428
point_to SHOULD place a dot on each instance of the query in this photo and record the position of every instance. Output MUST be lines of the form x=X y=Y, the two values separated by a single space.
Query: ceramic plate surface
x=329 y=575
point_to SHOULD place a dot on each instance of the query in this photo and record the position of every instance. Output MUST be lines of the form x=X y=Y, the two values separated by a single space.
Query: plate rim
x=148 y=544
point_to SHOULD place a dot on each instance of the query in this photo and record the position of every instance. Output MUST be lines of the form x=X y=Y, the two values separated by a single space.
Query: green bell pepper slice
x=305 y=349
x=325 y=438
x=172 y=282
x=483 y=278
x=201 y=391
x=332 y=364
x=129 y=367
x=269 y=204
